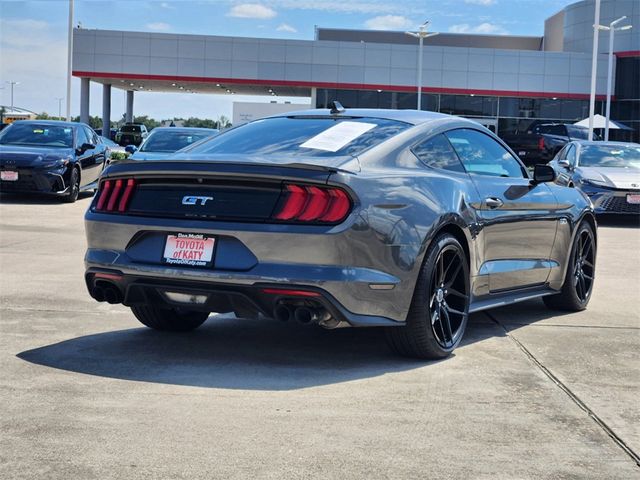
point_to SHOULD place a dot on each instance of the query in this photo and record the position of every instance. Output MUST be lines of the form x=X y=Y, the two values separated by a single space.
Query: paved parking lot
x=85 y=392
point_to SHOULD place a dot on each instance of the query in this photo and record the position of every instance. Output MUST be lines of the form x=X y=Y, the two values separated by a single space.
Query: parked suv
x=131 y=134
x=541 y=141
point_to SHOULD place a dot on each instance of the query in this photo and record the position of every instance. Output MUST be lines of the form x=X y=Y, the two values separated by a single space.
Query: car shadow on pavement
x=36 y=199
x=238 y=354
x=618 y=221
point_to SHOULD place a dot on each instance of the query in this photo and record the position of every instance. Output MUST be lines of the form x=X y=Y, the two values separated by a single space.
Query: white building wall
x=245 y=112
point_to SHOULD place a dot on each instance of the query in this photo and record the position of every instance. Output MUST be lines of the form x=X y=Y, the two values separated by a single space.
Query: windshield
x=620 y=156
x=35 y=135
x=131 y=128
x=303 y=136
x=108 y=142
x=171 y=141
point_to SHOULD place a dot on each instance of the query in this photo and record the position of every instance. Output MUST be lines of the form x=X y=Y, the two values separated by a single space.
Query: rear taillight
x=541 y=143
x=312 y=204
x=114 y=195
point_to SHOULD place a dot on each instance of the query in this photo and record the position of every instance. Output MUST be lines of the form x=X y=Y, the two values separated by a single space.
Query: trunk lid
x=230 y=191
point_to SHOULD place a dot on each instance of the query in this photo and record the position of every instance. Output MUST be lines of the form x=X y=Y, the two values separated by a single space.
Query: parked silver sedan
x=607 y=172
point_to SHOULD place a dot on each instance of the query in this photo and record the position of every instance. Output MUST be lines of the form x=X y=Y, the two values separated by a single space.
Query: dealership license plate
x=191 y=249
x=633 y=199
x=9 y=176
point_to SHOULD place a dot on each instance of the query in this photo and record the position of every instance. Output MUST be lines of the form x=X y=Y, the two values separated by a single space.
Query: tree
x=94 y=121
x=200 y=123
x=150 y=123
x=223 y=122
x=45 y=116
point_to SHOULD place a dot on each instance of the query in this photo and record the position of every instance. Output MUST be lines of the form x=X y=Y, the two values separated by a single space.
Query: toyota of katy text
x=406 y=220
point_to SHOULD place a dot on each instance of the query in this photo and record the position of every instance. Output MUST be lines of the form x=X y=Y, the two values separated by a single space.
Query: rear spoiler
x=208 y=169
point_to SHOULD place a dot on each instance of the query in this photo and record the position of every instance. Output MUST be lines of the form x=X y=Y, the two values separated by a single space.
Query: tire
x=439 y=310
x=169 y=319
x=578 y=281
x=74 y=187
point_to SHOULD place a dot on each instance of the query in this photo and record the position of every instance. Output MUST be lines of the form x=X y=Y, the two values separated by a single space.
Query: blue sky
x=33 y=36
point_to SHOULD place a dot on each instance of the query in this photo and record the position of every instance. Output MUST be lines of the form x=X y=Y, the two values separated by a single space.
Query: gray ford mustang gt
x=407 y=220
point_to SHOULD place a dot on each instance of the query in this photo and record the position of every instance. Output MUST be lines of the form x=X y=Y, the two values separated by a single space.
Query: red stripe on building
x=346 y=86
x=629 y=53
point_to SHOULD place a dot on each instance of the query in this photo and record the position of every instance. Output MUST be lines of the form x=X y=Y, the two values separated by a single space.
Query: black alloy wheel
x=581 y=270
x=583 y=265
x=440 y=307
x=448 y=299
x=74 y=186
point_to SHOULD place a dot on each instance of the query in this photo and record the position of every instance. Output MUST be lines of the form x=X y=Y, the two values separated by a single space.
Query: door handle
x=493 y=202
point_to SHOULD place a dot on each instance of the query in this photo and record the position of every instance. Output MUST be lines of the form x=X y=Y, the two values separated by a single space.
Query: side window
x=571 y=155
x=552 y=129
x=437 y=152
x=81 y=137
x=482 y=155
x=92 y=138
x=562 y=154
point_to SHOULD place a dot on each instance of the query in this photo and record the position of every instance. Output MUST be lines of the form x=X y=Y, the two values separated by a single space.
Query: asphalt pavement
x=87 y=392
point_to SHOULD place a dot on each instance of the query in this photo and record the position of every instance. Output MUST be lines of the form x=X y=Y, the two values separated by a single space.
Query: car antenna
x=336 y=107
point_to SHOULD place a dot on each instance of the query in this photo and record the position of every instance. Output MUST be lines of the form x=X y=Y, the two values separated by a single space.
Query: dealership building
x=503 y=81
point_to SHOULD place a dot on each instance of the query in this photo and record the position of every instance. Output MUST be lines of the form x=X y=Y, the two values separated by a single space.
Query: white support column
x=85 y=91
x=106 y=110
x=128 y=117
x=594 y=67
x=314 y=93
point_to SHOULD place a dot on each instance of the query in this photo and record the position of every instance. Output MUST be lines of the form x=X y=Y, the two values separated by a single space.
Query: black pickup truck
x=131 y=134
x=541 y=141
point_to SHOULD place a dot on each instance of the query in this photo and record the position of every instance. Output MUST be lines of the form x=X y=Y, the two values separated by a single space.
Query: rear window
x=551 y=129
x=577 y=132
x=171 y=141
x=131 y=128
x=303 y=136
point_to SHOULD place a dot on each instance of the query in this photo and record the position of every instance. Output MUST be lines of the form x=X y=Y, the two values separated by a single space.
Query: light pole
x=421 y=34
x=594 y=68
x=612 y=29
x=69 y=59
x=12 y=83
x=59 y=107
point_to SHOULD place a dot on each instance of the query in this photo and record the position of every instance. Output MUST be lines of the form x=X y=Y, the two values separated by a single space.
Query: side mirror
x=543 y=173
x=130 y=149
x=86 y=146
x=564 y=163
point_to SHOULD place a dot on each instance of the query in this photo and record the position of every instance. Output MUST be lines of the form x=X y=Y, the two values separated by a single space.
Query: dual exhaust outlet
x=106 y=292
x=307 y=316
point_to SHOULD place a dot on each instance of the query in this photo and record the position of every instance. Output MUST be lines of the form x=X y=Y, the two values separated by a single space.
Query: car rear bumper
x=247 y=258
x=133 y=289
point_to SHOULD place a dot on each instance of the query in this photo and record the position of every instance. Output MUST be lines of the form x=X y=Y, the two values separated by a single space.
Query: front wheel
x=169 y=319
x=440 y=307
x=578 y=282
x=74 y=187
